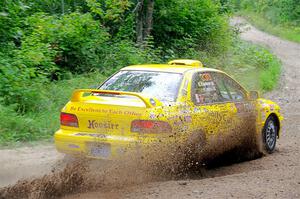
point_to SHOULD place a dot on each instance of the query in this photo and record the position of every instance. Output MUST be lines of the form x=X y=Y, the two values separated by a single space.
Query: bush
x=277 y=12
x=43 y=118
x=74 y=42
x=181 y=24
x=261 y=67
x=53 y=48
x=11 y=14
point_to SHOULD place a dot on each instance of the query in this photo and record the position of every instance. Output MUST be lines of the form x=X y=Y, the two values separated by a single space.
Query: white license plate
x=100 y=150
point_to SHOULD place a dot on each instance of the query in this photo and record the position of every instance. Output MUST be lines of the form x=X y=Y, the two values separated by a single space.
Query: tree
x=144 y=19
x=111 y=13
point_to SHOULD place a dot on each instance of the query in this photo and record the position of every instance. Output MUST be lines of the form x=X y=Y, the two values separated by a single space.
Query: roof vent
x=186 y=62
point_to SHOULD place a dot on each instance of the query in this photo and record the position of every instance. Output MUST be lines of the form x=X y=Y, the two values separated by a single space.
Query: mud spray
x=158 y=162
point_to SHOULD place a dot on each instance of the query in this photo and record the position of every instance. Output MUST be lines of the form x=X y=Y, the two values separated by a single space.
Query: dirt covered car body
x=145 y=104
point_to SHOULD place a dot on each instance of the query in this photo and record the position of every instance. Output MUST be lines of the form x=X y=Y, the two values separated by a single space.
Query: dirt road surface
x=272 y=176
x=27 y=162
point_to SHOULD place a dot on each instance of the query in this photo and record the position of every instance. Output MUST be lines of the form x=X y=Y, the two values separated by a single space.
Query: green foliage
x=124 y=53
x=262 y=71
x=109 y=10
x=74 y=42
x=181 y=24
x=277 y=12
x=16 y=85
x=43 y=119
x=49 y=48
x=270 y=76
x=252 y=65
x=262 y=67
x=111 y=13
x=16 y=127
x=54 y=7
x=11 y=14
x=280 y=17
x=285 y=31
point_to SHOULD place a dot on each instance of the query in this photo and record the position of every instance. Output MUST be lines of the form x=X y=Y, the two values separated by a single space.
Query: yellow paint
x=107 y=120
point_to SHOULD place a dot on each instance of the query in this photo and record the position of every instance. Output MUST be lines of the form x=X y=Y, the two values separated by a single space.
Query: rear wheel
x=269 y=135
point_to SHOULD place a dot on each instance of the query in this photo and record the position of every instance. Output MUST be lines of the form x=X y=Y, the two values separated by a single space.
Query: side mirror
x=253 y=95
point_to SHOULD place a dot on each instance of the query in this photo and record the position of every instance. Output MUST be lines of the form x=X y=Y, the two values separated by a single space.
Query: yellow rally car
x=144 y=104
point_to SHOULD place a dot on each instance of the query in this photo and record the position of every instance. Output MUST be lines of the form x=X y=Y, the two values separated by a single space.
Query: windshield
x=161 y=85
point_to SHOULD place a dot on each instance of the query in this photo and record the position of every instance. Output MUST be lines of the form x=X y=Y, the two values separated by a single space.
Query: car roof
x=168 y=68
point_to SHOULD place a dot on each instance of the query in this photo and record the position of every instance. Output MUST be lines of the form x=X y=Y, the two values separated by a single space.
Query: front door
x=222 y=111
x=213 y=114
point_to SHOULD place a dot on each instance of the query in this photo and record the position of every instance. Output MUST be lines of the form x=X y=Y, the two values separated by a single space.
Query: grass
x=254 y=66
x=288 y=32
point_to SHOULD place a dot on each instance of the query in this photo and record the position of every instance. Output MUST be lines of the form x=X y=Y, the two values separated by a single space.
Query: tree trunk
x=148 y=19
x=139 y=21
x=144 y=19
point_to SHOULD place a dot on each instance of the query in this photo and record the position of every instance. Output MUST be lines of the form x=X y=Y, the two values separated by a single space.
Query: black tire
x=269 y=134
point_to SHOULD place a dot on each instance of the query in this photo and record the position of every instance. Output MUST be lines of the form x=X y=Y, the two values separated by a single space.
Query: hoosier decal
x=93 y=124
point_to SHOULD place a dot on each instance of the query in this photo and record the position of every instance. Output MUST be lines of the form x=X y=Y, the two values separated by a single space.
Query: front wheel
x=269 y=135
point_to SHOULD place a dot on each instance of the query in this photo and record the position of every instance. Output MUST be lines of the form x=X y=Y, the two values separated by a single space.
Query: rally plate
x=100 y=150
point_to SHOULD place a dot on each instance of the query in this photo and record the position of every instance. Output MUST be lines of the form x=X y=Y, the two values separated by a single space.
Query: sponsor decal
x=173 y=117
x=188 y=119
x=206 y=85
x=184 y=111
x=93 y=124
x=216 y=116
x=199 y=98
x=244 y=107
x=196 y=110
x=105 y=111
x=131 y=113
x=152 y=116
x=205 y=77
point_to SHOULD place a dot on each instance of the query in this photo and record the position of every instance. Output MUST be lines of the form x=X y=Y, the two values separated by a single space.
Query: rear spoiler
x=149 y=102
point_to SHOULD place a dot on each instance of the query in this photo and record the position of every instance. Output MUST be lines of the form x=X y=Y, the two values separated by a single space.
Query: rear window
x=161 y=85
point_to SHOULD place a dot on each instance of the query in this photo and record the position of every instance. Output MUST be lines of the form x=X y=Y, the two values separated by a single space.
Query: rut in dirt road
x=273 y=176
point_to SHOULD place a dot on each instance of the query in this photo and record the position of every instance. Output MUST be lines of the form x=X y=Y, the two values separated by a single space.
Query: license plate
x=100 y=150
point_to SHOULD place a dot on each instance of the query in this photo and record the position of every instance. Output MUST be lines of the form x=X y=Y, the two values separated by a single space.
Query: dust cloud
x=157 y=162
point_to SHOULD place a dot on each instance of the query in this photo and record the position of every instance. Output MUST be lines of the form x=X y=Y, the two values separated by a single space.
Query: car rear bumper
x=96 y=145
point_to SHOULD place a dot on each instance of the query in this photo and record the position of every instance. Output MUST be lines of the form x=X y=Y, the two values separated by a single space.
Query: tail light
x=150 y=126
x=67 y=119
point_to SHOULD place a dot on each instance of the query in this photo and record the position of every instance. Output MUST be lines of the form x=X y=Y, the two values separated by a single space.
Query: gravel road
x=272 y=176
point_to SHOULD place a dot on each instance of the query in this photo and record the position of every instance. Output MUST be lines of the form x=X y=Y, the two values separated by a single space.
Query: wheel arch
x=277 y=122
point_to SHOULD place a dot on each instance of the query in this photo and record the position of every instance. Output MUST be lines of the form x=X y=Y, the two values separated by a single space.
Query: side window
x=229 y=89
x=224 y=92
x=204 y=89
